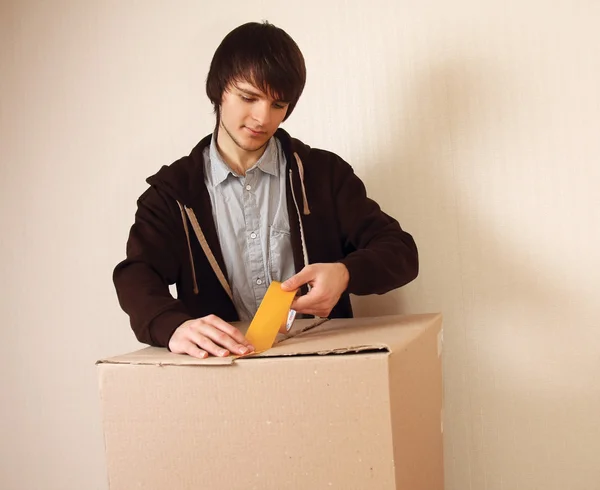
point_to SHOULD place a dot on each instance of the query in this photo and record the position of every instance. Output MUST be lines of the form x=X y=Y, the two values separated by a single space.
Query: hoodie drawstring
x=187 y=236
x=205 y=248
x=306 y=209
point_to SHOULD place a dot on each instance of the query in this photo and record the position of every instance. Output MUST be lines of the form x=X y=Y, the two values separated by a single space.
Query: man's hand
x=327 y=281
x=208 y=336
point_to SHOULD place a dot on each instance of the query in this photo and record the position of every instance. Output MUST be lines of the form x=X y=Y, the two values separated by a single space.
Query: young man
x=251 y=205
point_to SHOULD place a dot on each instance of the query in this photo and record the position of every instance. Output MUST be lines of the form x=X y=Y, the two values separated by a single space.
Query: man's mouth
x=255 y=132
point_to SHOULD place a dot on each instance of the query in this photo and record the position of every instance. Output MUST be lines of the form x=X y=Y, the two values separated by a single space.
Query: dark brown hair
x=263 y=55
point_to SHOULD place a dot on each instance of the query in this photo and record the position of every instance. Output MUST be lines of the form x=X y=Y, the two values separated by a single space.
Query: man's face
x=249 y=117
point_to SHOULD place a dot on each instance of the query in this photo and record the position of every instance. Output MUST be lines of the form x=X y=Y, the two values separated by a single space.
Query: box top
x=309 y=337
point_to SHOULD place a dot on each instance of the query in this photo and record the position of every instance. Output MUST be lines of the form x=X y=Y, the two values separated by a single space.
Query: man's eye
x=246 y=99
x=279 y=106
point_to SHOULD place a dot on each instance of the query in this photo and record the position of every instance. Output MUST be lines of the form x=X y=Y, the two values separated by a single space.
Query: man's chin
x=254 y=144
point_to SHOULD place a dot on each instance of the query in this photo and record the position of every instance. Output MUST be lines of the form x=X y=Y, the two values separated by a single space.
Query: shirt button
x=252 y=235
x=259 y=282
x=248 y=187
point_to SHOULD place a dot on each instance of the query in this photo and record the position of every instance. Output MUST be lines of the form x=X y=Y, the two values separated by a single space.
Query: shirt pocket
x=281 y=260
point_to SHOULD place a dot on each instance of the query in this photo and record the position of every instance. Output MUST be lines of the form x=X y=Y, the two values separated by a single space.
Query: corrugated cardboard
x=348 y=404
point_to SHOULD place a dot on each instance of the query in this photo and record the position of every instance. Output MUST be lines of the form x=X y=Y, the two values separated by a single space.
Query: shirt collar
x=268 y=162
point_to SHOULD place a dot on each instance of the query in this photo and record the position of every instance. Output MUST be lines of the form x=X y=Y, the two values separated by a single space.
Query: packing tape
x=272 y=315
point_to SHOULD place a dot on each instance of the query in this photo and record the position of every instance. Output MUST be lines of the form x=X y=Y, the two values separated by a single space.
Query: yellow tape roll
x=272 y=314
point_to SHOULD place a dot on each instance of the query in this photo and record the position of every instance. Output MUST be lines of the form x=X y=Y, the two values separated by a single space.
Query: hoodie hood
x=181 y=181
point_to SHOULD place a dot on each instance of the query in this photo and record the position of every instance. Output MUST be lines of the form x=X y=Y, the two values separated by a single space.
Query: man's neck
x=236 y=158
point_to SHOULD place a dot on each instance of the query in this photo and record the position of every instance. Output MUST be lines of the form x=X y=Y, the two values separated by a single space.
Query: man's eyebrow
x=258 y=94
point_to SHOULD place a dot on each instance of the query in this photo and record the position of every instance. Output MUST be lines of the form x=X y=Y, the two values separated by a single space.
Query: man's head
x=259 y=58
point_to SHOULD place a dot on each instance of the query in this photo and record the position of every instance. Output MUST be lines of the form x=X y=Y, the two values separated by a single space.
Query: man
x=251 y=205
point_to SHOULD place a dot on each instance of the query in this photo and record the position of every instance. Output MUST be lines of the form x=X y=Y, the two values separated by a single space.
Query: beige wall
x=475 y=123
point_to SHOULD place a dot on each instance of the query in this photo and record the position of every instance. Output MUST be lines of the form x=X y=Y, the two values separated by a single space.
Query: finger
x=221 y=338
x=318 y=313
x=230 y=330
x=207 y=344
x=195 y=351
x=313 y=304
x=304 y=276
x=314 y=299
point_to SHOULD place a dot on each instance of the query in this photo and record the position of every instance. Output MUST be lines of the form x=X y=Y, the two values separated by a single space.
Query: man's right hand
x=208 y=336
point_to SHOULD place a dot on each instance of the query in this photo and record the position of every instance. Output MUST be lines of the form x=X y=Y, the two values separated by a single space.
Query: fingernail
x=251 y=348
x=243 y=350
x=222 y=352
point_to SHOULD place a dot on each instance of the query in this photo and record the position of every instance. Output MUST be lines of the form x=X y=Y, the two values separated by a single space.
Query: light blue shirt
x=250 y=213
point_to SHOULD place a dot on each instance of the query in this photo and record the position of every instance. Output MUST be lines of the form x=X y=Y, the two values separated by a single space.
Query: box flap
x=340 y=336
x=307 y=337
x=158 y=356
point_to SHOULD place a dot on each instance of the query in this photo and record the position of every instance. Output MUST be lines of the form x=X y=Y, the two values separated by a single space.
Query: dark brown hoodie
x=331 y=220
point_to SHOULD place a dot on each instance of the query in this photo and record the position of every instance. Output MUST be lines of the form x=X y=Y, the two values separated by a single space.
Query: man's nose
x=262 y=113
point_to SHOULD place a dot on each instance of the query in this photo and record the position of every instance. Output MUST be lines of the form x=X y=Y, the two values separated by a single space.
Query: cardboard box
x=349 y=404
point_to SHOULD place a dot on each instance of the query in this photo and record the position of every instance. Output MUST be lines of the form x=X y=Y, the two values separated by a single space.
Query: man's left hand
x=327 y=282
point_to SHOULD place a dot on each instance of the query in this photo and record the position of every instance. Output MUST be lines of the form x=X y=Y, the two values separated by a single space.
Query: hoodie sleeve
x=381 y=256
x=142 y=279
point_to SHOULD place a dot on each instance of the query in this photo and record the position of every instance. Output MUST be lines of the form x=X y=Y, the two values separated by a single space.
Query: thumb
x=298 y=280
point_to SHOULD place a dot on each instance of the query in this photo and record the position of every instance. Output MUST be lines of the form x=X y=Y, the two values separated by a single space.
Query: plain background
x=475 y=123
